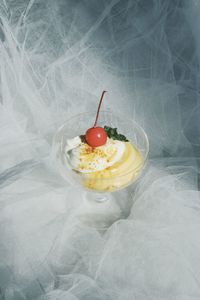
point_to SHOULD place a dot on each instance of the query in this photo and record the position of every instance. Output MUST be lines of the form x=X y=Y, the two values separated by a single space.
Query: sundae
x=105 y=159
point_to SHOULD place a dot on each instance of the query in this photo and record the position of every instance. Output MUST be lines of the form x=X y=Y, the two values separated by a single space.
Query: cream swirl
x=86 y=159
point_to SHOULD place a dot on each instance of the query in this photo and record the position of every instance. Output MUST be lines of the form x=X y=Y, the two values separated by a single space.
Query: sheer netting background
x=56 y=57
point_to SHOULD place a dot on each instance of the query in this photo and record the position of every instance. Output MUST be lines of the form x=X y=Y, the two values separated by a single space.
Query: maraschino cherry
x=96 y=136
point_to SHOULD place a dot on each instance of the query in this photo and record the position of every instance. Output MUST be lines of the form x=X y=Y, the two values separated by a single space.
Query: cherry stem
x=97 y=116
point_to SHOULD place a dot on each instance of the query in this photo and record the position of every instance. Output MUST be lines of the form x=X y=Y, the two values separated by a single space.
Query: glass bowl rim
x=121 y=116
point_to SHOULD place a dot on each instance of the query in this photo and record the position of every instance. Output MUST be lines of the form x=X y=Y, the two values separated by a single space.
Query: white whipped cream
x=103 y=156
x=72 y=143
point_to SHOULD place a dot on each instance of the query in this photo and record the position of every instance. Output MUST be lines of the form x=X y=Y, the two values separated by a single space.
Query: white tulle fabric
x=55 y=59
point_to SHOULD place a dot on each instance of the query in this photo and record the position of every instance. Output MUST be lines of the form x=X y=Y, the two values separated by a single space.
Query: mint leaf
x=113 y=134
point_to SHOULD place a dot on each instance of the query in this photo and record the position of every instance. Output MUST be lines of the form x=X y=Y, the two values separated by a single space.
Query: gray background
x=56 y=58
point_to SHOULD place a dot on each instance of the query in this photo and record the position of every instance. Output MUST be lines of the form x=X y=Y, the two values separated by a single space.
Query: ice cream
x=104 y=158
x=105 y=168
x=86 y=159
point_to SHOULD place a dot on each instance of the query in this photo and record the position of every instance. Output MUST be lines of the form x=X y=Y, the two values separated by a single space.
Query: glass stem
x=97 y=197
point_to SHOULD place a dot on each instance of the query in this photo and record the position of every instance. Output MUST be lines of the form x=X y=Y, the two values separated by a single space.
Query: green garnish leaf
x=113 y=134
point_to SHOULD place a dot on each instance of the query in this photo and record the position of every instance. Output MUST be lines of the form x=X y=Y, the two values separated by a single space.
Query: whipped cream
x=85 y=159
x=72 y=143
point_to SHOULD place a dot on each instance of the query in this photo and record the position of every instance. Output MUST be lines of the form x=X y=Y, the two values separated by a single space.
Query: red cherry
x=96 y=136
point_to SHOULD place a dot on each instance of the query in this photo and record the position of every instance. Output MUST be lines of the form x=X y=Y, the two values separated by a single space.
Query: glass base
x=99 y=210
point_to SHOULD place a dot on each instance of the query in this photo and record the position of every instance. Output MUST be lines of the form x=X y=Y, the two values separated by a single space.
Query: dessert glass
x=99 y=206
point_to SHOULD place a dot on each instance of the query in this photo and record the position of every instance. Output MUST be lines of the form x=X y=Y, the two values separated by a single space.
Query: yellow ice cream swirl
x=117 y=170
